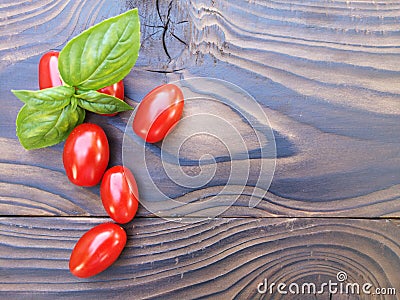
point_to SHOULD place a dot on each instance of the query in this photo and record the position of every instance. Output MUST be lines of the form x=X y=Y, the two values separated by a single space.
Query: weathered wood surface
x=224 y=258
x=327 y=74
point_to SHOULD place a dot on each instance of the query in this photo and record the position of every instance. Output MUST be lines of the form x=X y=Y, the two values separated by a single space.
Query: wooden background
x=327 y=74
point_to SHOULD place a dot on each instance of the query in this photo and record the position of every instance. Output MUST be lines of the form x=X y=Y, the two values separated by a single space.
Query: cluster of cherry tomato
x=86 y=157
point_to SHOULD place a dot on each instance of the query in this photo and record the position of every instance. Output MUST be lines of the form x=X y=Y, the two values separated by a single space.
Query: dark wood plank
x=228 y=260
x=337 y=136
x=337 y=147
x=325 y=73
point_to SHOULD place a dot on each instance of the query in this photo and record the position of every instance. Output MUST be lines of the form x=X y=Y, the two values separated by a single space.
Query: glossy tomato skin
x=159 y=111
x=116 y=90
x=86 y=154
x=97 y=249
x=119 y=194
x=48 y=70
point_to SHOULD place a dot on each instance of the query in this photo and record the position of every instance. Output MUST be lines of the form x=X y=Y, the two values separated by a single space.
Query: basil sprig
x=100 y=56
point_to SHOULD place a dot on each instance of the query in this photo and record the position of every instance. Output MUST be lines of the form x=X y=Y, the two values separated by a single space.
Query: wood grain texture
x=231 y=256
x=327 y=75
x=337 y=136
x=32 y=27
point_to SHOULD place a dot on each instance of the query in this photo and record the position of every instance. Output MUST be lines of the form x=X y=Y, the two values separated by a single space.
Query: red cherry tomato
x=119 y=194
x=97 y=249
x=48 y=70
x=49 y=76
x=86 y=154
x=116 y=90
x=158 y=113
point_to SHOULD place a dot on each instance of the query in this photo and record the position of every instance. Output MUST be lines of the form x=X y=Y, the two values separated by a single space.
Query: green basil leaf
x=39 y=128
x=103 y=54
x=101 y=103
x=81 y=115
x=49 y=99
